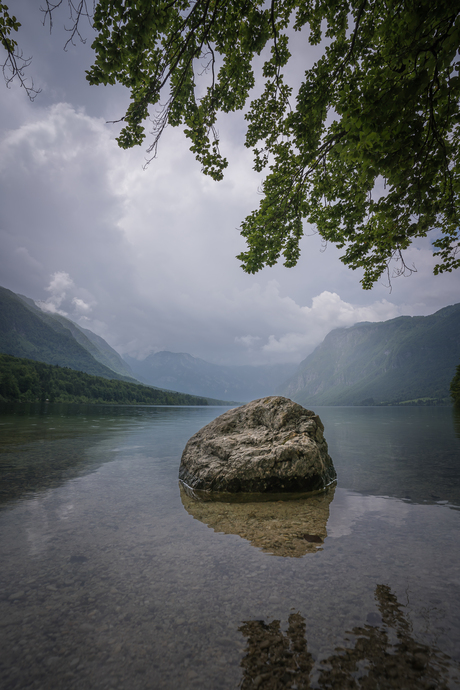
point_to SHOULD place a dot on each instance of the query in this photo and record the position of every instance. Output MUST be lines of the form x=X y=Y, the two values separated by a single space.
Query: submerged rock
x=289 y=528
x=269 y=445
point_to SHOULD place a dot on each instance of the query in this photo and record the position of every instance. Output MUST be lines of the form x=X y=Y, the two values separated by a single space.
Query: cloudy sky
x=146 y=258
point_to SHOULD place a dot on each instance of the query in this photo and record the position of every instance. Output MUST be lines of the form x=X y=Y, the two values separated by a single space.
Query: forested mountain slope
x=94 y=344
x=26 y=331
x=394 y=361
x=25 y=380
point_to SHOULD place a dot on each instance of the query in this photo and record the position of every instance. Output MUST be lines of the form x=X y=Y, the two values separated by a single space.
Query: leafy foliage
x=368 y=153
x=15 y=63
x=29 y=381
x=389 y=78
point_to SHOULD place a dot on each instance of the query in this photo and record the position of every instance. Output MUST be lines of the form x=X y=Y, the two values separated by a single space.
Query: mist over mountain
x=94 y=344
x=403 y=359
x=181 y=371
x=26 y=331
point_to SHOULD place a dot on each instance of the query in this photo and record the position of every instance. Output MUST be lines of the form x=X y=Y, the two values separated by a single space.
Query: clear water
x=112 y=577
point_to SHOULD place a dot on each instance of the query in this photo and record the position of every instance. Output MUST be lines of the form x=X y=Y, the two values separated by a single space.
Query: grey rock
x=269 y=445
x=17 y=596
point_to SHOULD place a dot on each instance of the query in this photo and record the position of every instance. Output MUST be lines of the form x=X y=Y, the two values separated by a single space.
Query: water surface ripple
x=112 y=577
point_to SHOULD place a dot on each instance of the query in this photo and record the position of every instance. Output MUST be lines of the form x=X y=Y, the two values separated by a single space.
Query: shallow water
x=111 y=577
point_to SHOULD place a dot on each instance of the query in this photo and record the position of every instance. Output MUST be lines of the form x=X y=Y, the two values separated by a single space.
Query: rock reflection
x=288 y=527
x=384 y=655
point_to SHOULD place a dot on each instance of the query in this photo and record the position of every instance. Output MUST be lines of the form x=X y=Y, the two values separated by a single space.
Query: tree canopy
x=367 y=150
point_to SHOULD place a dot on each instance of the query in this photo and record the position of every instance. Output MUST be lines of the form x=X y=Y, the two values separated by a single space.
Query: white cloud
x=302 y=328
x=63 y=289
x=248 y=340
x=58 y=287
x=60 y=282
x=81 y=307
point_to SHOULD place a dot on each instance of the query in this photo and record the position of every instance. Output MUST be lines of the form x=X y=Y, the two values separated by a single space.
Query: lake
x=111 y=576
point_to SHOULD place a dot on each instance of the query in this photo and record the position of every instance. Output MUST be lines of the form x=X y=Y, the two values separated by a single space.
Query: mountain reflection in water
x=44 y=446
x=275 y=660
x=283 y=528
x=456 y=417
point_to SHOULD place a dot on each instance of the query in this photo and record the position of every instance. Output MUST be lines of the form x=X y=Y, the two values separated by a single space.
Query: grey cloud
x=151 y=254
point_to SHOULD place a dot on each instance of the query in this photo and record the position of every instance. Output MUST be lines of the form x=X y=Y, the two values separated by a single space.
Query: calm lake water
x=112 y=577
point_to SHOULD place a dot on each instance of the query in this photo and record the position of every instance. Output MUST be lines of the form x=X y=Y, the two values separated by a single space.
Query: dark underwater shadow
x=276 y=660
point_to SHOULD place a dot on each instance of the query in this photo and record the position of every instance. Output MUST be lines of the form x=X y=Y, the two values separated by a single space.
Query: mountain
x=94 y=344
x=25 y=380
x=400 y=360
x=181 y=371
x=26 y=331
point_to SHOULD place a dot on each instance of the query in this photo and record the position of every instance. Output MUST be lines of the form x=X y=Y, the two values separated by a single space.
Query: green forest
x=26 y=380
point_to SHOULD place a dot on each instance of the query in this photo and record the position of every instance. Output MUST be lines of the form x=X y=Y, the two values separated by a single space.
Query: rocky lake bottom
x=113 y=576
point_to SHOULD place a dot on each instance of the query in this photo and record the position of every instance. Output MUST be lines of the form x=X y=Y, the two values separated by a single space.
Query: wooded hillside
x=25 y=380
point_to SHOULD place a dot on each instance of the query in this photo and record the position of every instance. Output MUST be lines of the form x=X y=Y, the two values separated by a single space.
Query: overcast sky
x=146 y=258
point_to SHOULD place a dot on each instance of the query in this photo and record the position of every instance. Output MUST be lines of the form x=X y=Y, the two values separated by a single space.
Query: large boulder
x=269 y=445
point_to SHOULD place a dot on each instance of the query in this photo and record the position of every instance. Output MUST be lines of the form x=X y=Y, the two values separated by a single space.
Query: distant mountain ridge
x=389 y=362
x=181 y=371
x=393 y=361
x=26 y=331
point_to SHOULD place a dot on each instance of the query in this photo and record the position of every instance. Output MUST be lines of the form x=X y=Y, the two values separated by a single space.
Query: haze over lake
x=113 y=578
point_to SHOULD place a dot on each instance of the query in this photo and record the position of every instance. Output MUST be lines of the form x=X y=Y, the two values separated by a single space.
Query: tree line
x=455 y=387
x=25 y=380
